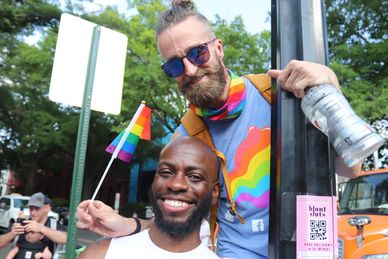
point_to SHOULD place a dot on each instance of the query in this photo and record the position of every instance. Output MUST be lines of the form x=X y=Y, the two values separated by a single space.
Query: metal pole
x=300 y=155
x=82 y=141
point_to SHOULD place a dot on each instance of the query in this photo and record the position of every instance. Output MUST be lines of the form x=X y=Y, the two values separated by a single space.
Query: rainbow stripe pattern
x=249 y=181
x=233 y=106
x=141 y=129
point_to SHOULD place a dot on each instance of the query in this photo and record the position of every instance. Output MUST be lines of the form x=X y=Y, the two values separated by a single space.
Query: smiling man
x=183 y=190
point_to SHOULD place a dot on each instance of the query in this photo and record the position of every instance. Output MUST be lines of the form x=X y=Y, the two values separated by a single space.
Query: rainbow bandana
x=233 y=106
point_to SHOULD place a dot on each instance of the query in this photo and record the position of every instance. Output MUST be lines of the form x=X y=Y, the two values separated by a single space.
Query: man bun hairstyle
x=181 y=10
x=188 y=4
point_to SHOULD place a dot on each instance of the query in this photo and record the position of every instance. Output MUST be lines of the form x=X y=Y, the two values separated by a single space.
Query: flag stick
x=118 y=148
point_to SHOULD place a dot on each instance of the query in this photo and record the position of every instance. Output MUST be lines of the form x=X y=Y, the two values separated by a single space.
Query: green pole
x=82 y=141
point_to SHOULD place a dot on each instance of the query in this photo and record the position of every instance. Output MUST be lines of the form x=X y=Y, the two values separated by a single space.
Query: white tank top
x=141 y=246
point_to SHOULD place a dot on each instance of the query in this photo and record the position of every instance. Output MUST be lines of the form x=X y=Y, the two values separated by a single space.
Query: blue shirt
x=245 y=142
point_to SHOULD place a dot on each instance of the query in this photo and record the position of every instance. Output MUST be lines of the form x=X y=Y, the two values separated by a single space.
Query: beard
x=206 y=94
x=176 y=229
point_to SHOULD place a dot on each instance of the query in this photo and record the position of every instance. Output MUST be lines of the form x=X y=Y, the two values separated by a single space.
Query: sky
x=253 y=12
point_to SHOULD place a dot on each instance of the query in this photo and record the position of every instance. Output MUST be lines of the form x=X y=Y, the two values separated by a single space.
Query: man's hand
x=299 y=75
x=103 y=220
x=46 y=254
x=17 y=229
x=5 y=239
x=33 y=226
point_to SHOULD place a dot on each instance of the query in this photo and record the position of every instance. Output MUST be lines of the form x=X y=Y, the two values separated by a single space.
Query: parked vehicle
x=363 y=217
x=10 y=206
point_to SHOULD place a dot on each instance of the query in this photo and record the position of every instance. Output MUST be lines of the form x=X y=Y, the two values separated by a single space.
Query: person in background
x=184 y=188
x=35 y=246
x=39 y=222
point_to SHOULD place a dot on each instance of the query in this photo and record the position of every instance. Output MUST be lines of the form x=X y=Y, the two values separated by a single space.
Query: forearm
x=342 y=170
x=12 y=253
x=54 y=235
x=6 y=239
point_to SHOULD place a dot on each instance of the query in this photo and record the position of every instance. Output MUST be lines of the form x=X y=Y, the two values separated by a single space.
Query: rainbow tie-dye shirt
x=245 y=141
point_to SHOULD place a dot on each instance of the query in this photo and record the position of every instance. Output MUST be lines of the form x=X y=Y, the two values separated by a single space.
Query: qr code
x=318 y=229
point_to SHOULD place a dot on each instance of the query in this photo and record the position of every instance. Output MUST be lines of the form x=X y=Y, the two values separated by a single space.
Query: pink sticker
x=316 y=227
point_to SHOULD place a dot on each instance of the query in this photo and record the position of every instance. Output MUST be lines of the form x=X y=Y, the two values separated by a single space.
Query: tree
x=244 y=53
x=145 y=81
x=358 y=33
x=38 y=136
x=25 y=125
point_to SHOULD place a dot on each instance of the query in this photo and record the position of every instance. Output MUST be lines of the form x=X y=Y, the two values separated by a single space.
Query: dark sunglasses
x=198 y=56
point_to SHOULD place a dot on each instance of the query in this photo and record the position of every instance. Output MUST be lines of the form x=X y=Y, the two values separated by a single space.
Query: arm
x=299 y=75
x=97 y=250
x=343 y=170
x=103 y=220
x=11 y=254
x=56 y=236
x=7 y=238
x=46 y=254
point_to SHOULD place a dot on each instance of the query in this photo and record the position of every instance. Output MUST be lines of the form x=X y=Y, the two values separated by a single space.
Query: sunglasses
x=198 y=56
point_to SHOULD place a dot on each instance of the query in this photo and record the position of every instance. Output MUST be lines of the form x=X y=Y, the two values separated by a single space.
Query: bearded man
x=182 y=193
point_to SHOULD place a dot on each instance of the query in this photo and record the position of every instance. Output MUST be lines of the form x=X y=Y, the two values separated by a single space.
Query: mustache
x=190 y=80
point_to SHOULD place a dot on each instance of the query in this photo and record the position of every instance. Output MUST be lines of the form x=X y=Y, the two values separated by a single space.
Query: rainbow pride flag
x=139 y=127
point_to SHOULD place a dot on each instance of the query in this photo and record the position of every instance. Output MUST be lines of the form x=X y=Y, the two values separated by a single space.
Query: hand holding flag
x=123 y=146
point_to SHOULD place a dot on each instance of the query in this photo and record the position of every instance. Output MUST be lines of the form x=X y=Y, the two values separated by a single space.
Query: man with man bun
x=239 y=121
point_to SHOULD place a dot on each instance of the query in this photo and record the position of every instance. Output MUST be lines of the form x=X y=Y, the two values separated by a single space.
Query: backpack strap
x=53 y=223
x=58 y=248
x=262 y=82
x=196 y=127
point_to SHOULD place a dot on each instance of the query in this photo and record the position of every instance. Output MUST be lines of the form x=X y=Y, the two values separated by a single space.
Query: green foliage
x=27 y=15
x=59 y=202
x=36 y=134
x=358 y=33
x=244 y=53
x=128 y=209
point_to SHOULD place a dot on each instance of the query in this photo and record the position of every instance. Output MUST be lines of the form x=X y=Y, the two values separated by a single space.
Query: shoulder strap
x=58 y=248
x=15 y=241
x=53 y=223
x=195 y=126
x=262 y=82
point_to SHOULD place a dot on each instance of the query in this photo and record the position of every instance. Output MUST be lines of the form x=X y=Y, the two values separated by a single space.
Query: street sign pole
x=301 y=157
x=82 y=140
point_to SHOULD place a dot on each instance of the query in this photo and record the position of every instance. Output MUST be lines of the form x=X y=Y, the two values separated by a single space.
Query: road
x=84 y=238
